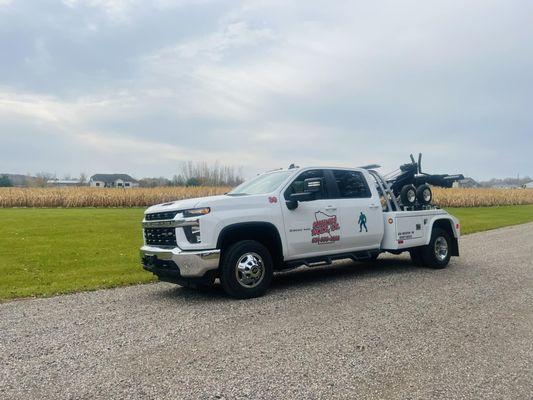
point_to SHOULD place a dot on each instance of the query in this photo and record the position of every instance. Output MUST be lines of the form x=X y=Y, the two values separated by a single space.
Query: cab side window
x=351 y=184
x=297 y=186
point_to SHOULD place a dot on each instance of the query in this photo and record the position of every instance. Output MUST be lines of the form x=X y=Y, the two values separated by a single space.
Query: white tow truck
x=292 y=217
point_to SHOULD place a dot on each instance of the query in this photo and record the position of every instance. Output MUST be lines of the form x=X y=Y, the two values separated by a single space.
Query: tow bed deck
x=405 y=229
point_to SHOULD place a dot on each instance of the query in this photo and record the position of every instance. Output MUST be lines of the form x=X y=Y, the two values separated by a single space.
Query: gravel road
x=353 y=331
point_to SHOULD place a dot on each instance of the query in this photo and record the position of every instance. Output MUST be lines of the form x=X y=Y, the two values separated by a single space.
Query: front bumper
x=190 y=264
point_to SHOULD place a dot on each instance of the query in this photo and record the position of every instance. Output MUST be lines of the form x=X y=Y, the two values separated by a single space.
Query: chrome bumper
x=191 y=264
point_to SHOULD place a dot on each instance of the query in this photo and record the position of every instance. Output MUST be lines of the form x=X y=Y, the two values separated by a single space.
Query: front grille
x=160 y=236
x=160 y=215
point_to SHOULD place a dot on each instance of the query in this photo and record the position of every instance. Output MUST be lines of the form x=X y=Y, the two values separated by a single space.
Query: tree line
x=506 y=181
x=192 y=173
x=189 y=173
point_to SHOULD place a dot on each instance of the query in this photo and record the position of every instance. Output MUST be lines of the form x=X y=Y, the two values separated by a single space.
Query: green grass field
x=477 y=219
x=49 y=251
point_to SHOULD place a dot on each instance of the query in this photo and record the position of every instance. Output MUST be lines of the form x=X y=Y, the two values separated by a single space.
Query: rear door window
x=351 y=184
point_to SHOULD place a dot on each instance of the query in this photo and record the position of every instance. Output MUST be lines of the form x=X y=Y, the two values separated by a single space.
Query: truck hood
x=218 y=202
x=186 y=204
x=174 y=205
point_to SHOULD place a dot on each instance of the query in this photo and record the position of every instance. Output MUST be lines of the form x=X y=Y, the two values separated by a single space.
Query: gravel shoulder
x=356 y=330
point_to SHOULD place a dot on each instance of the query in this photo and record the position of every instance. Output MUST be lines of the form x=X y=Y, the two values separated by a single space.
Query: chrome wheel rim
x=250 y=270
x=441 y=248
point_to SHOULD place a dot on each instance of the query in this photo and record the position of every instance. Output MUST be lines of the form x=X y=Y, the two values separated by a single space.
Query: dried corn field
x=94 y=197
x=456 y=197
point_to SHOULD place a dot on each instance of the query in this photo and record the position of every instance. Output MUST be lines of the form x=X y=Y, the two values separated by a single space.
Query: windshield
x=261 y=184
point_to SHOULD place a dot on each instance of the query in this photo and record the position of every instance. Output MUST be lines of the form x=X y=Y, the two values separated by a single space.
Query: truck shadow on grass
x=305 y=277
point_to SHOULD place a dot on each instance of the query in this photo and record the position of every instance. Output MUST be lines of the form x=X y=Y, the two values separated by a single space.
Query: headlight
x=196 y=212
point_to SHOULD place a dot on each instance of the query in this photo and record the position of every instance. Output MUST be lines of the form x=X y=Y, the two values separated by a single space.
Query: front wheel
x=437 y=253
x=246 y=270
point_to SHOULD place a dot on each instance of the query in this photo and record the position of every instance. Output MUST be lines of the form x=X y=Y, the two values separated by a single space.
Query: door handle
x=331 y=208
x=374 y=206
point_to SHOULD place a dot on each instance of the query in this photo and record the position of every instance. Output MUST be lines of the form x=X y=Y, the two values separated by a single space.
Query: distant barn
x=466 y=183
x=63 y=182
x=113 y=181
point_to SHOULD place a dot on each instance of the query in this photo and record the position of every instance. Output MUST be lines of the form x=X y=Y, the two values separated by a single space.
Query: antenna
x=419 y=163
x=412 y=159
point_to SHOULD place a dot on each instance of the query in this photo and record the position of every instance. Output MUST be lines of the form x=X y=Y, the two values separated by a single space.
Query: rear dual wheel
x=436 y=254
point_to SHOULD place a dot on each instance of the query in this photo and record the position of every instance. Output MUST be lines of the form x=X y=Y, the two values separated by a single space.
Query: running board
x=328 y=260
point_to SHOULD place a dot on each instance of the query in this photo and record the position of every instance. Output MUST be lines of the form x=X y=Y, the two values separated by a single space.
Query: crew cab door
x=359 y=210
x=312 y=228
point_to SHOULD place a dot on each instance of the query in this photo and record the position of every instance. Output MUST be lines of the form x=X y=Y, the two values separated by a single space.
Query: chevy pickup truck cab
x=285 y=219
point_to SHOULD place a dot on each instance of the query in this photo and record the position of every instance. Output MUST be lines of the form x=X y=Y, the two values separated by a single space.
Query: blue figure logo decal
x=362 y=222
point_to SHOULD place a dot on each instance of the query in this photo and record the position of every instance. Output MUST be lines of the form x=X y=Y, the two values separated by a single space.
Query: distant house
x=466 y=183
x=63 y=182
x=113 y=181
x=529 y=185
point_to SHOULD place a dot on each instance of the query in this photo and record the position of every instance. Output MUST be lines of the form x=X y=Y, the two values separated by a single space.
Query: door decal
x=362 y=222
x=323 y=226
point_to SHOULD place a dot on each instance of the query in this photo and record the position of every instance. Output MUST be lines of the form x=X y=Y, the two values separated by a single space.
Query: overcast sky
x=131 y=86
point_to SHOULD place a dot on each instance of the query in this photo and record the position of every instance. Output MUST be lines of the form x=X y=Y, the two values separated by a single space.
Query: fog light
x=192 y=233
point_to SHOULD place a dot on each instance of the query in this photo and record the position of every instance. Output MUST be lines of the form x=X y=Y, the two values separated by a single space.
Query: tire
x=253 y=277
x=424 y=194
x=416 y=257
x=204 y=283
x=408 y=195
x=437 y=253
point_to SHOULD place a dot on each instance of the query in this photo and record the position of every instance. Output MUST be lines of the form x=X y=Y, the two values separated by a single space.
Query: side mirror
x=292 y=203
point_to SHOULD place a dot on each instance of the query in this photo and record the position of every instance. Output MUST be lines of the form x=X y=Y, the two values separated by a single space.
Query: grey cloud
x=263 y=84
